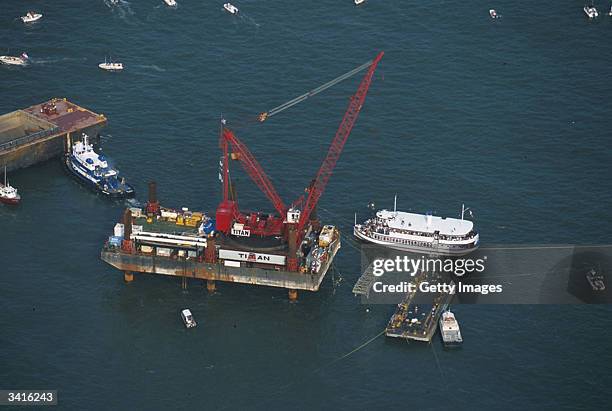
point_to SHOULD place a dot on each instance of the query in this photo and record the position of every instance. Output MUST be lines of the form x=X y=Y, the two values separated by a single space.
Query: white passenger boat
x=449 y=329
x=419 y=233
x=188 y=318
x=15 y=60
x=31 y=17
x=171 y=3
x=111 y=66
x=230 y=8
x=591 y=11
x=493 y=14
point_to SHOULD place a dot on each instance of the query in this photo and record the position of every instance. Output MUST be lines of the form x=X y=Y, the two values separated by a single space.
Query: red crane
x=261 y=224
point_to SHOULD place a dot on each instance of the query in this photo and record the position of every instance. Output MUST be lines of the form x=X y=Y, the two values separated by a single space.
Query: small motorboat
x=610 y=12
x=493 y=14
x=591 y=11
x=171 y=3
x=111 y=66
x=8 y=194
x=188 y=318
x=31 y=17
x=358 y=2
x=230 y=8
x=15 y=60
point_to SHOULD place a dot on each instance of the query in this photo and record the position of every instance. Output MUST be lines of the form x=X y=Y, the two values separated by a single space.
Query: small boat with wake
x=230 y=8
x=31 y=17
x=111 y=66
x=22 y=60
x=358 y=2
x=8 y=194
x=92 y=170
x=171 y=3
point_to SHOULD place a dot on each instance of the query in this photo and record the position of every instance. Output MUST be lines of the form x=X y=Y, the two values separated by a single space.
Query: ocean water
x=510 y=117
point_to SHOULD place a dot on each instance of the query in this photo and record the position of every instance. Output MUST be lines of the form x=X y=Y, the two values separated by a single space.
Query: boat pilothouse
x=420 y=233
x=92 y=169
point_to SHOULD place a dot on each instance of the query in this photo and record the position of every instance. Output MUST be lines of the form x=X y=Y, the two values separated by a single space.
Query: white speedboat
x=493 y=14
x=591 y=12
x=358 y=2
x=171 y=3
x=111 y=66
x=31 y=17
x=15 y=60
x=188 y=318
x=230 y=8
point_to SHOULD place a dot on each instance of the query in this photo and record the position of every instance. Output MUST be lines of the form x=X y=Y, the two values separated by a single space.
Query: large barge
x=187 y=244
x=43 y=131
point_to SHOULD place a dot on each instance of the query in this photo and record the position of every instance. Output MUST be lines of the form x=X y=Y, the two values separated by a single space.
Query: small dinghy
x=591 y=11
x=358 y=2
x=493 y=14
x=188 y=318
x=15 y=60
x=230 y=8
x=111 y=66
x=171 y=3
x=31 y=17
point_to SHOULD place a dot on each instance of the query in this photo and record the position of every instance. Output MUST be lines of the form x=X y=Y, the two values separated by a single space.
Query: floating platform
x=40 y=132
x=174 y=245
x=416 y=321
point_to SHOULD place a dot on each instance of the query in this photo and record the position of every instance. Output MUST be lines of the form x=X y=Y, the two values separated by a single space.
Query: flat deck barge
x=416 y=321
x=40 y=132
x=181 y=243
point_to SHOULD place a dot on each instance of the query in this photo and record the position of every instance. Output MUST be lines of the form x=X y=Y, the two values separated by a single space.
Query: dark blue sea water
x=511 y=117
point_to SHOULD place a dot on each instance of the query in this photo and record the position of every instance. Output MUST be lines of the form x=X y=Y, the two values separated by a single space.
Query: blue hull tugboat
x=92 y=170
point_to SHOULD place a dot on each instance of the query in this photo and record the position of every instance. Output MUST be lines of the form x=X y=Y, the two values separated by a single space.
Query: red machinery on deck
x=291 y=222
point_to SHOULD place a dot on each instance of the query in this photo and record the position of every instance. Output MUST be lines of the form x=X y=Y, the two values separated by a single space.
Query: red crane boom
x=335 y=149
x=253 y=169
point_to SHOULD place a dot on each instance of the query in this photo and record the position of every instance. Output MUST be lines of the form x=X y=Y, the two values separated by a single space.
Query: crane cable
x=265 y=115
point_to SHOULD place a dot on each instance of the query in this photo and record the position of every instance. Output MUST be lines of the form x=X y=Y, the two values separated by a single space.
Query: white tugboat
x=449 y=329
x=15 y=60
x=591 y=11
x=8 y=194
x=111 y=66
x=92 y=170
x=188 y=318
x=230 y=8
x=419 y=233
x=31 y=17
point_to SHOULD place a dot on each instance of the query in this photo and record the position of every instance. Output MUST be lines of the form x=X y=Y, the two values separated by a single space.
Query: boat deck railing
x=29 y=138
